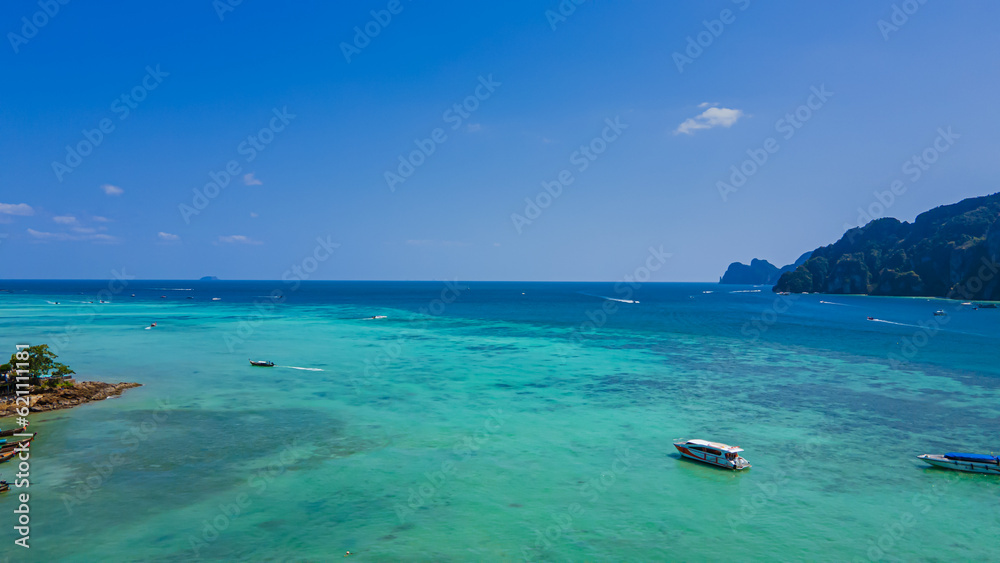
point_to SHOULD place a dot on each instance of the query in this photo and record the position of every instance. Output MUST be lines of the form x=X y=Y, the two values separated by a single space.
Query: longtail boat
x=5 y=456
x=13 y=431
x=9 y=447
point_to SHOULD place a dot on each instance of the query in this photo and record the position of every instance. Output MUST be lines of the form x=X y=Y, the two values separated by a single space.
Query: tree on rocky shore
x=41 y=364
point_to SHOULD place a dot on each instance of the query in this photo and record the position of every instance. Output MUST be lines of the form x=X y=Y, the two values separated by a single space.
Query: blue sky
x=271 y=81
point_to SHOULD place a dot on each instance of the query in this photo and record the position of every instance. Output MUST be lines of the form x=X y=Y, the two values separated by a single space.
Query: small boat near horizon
x=940 y=313
x=713 y=453
x=970 y=463
x=262 y=363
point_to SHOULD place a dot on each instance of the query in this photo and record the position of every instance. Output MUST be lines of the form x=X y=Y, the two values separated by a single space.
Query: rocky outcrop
x=949 y=251
x=63 y=398
x=759 y=272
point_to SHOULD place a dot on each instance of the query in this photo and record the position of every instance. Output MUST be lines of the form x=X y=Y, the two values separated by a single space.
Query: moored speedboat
x=973 y=463
x=713 y=453
x=940 y=313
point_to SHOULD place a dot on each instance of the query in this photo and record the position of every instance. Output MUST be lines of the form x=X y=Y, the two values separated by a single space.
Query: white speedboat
x=973 y=463
x=940 y=313
x=713 y=453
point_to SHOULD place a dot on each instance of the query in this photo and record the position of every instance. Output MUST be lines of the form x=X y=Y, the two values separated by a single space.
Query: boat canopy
x=981 y=458
x=715 y=445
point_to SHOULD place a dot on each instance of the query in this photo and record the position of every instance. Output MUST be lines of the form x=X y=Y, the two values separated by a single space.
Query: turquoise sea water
x=481 y=422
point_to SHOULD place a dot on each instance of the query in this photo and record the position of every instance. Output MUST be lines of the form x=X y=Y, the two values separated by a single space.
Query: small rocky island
x=51 y=386
x=759 y=272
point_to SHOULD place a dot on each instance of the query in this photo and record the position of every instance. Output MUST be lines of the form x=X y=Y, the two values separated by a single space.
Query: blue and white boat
x=973 y=463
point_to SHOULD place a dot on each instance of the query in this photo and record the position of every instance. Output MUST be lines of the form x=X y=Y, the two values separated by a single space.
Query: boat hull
x=716 y=460
x=960 y=465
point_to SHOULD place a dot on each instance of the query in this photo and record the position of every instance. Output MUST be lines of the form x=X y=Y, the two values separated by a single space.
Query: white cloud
x=16 y=209
x=47 y=236
x=84 y=230
x=100 y=219
x=44 y=236
x=167 y=236
x=112 y=190
x=238 y=239
x=711 y=117
x=249 y=180
x=430 y=242
x=65 y=219
x=253 y=215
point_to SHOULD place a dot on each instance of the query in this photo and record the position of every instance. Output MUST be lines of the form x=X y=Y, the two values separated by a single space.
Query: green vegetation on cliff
x=950 y=251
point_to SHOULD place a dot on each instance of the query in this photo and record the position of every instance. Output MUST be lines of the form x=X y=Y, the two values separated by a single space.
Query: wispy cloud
x=47 y=236
x=431 y=242
x=16 y=209
x=238 y=239
x=99 y=219
x=112 y=190
x=711 y=117
x=249 y=180
x=253 y=215
x=65 y=219
x=167 y=236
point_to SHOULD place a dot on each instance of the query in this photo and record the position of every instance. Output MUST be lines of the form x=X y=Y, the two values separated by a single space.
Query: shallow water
x=483 y=423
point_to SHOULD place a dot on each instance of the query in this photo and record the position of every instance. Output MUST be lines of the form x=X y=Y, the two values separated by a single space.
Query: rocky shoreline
x=43 y=400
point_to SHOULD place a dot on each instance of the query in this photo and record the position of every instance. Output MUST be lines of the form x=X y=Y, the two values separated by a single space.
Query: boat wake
x=303 y=369
x=746 y=291
x=609 y=298
x=832 y=303
x=894 y=323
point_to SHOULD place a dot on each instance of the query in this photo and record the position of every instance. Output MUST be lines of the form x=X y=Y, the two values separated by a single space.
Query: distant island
x=759 y=272
x=951 y=251
x=209 y=278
